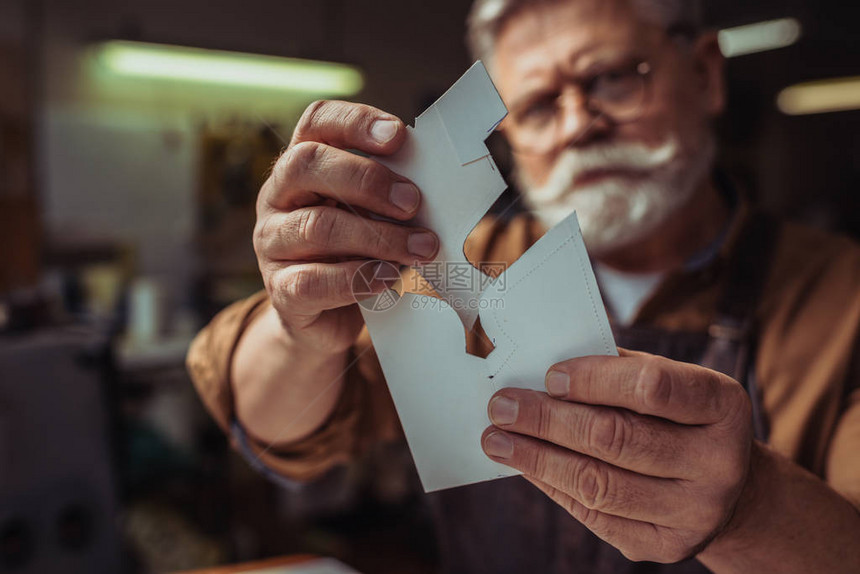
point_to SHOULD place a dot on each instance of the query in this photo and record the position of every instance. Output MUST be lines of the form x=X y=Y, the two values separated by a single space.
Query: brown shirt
x=808 y=316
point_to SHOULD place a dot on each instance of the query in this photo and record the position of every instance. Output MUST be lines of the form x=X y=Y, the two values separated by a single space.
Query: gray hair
x=487 y=17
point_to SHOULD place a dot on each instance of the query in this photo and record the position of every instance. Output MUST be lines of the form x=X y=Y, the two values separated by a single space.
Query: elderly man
x=746 y=464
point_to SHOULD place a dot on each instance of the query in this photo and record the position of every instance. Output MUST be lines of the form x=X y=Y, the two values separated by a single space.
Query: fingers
x=322 y=231
x=638 y=541
x=307 y=289
x=596 y=485
x=605 y=526
x=642 y=444
x=310 y=170
x=649 y=385
x=349 y=125
x=299 y=218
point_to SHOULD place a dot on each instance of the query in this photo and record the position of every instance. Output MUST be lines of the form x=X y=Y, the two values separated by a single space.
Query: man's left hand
x=650 y=454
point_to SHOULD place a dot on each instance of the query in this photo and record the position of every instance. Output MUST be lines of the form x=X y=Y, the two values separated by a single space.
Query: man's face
x=629 y=173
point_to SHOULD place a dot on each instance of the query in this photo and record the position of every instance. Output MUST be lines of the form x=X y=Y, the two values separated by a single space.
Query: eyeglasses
x=618 y=93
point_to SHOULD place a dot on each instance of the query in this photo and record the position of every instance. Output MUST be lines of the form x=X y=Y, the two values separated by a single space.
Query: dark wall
x=807 y=167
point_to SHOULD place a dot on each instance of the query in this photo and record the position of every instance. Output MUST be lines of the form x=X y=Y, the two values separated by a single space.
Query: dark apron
x=510 y=527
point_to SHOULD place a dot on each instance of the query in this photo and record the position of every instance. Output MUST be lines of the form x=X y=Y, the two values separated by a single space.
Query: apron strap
x=732 y=334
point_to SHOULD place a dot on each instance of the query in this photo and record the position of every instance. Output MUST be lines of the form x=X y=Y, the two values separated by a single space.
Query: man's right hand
x=313 y=232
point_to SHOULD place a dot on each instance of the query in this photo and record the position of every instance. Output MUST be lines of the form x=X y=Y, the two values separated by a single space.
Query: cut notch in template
x=546 y=306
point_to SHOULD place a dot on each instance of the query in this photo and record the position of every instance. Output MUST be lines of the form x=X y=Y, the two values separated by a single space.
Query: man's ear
x=710 y=69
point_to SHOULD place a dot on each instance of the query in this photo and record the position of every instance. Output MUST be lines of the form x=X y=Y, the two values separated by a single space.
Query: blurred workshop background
x=134 y=136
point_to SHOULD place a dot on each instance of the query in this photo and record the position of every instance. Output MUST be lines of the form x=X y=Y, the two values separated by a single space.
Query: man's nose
x=578 y=123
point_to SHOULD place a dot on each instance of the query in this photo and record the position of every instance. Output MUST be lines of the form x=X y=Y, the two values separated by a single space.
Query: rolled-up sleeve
x=363 y=414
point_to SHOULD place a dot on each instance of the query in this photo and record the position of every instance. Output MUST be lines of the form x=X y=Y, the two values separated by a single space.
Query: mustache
x=572 y=164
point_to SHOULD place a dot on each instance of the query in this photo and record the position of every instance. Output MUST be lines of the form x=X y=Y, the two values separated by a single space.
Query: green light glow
x=181 y=63
x=759 y=37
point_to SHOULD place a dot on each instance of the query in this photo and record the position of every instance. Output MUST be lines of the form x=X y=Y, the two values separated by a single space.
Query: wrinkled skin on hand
x=650 y=454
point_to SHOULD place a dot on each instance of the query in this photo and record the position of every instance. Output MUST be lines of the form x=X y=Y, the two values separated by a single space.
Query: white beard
x=617 y=211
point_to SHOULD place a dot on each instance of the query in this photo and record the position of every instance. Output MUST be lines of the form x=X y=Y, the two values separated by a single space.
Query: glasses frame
x=644 y=71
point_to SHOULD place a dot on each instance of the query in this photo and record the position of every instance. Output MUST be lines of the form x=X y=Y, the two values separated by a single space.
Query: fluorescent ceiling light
x=759 y=37
x=144 y=60
x=837 y=95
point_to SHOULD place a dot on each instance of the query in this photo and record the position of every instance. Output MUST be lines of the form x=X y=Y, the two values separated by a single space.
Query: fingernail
x=499 y=445
x=422 y=244
x=503 y=411
x=383 y=131
x=557 y=383
x=405 y=196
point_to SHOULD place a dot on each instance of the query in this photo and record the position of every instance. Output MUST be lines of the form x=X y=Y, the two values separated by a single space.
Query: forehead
x=565 y=34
